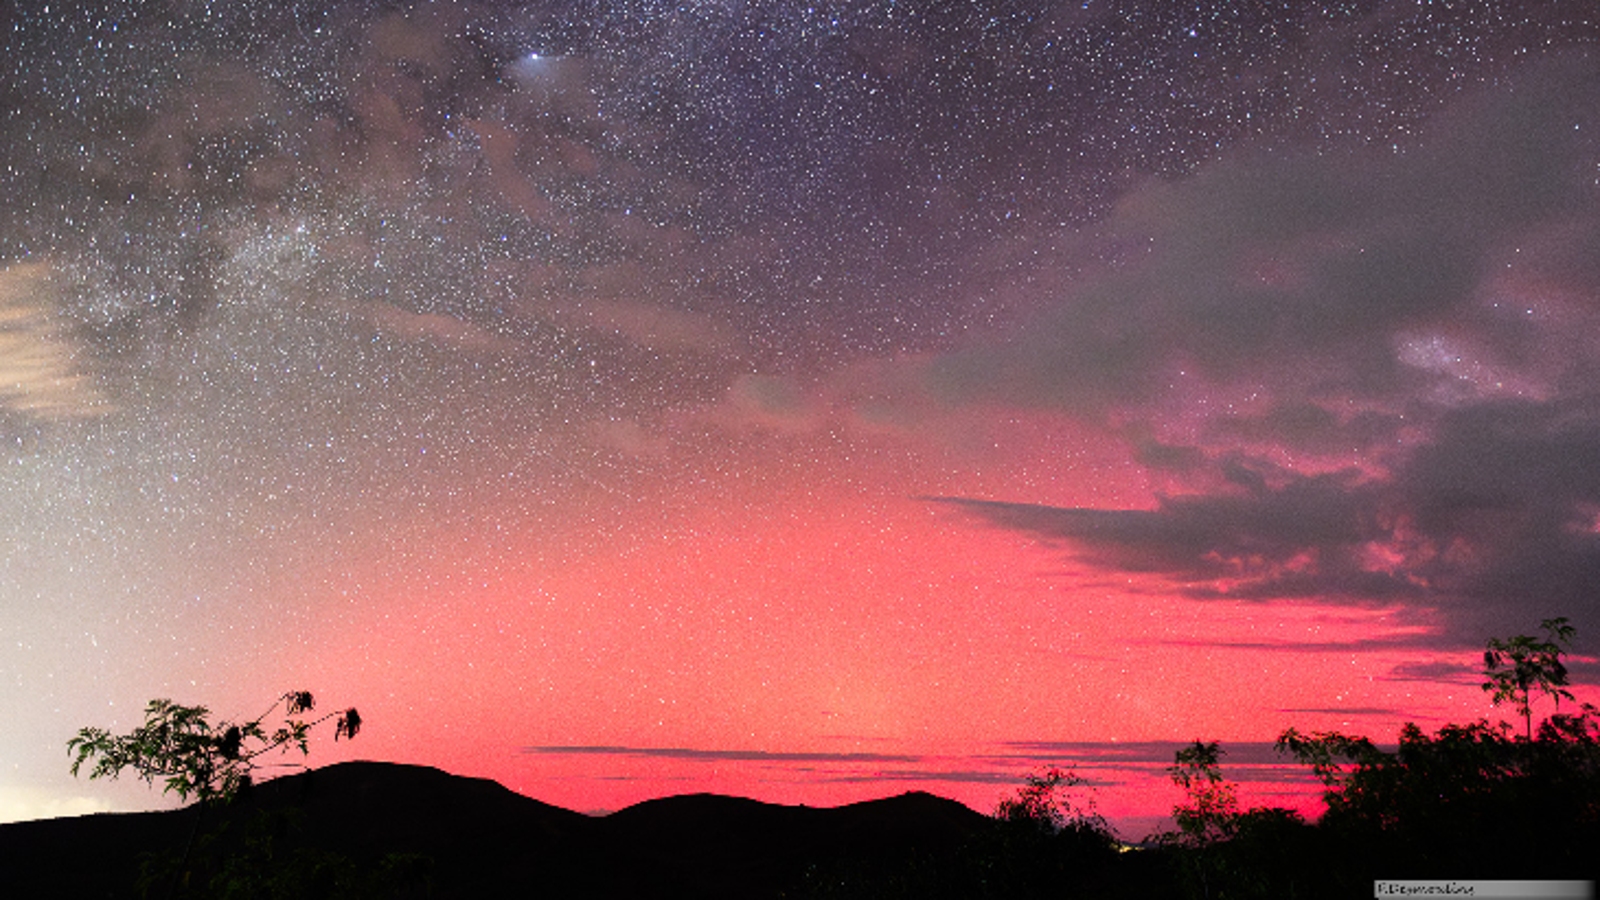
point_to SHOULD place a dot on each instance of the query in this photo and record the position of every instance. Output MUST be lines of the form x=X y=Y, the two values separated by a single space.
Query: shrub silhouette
x=1454 y=801
x=1221 y=850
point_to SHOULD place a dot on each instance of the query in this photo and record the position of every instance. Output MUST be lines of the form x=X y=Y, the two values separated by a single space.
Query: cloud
x=948 y=776
x=1458 y=673
x=1110 y=753
x=1492 y=520
x=1363 y=375
x=1099 y=763
x=39 y=375
x=1301 y=270
x=1268 y=534
x=772 y=402
x=1346 y=710
x=429 y=169
x=1257 y=761
x=1402 y=639
x=1514 y=488
x=722 y=755
x=440 y=330
x=650 y=326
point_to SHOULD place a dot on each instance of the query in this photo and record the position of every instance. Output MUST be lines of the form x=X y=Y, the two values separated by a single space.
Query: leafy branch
x=1516 y=666
x=193 y=756
x=1212 y=812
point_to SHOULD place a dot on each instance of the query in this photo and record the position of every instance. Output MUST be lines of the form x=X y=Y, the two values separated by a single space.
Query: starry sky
x=806 y=401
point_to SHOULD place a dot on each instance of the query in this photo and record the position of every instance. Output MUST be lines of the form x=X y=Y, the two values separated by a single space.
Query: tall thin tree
x=1515 y=667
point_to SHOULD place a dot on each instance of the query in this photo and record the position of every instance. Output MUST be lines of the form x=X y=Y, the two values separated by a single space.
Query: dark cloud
x=1436 y=671
x=1492 y=520
x=1305 y=427
x=1348 y=646
x=1256 y=761
x=1365 y=375
x=1270 y=533
x=1507 y=493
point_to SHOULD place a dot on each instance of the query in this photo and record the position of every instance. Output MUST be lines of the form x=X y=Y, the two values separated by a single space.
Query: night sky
x=810 y=402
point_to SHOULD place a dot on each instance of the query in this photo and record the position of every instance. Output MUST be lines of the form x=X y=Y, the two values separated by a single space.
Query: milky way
x=799 y=400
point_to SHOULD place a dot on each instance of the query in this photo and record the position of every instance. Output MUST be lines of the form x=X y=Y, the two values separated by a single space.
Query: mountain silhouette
x=478 y=838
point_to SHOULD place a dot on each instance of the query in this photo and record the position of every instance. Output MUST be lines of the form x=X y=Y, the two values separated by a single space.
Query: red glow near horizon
x=802 y=401
x=899 y=643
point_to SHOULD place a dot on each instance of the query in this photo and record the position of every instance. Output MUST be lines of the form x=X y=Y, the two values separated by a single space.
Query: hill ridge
x=483 y=838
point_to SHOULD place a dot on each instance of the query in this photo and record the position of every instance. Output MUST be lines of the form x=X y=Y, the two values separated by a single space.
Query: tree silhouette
x=1222 y=849
x=195 y=757
x=1453 y=800
x=1514 y=667
x=1212 y=811
x=1042 y=803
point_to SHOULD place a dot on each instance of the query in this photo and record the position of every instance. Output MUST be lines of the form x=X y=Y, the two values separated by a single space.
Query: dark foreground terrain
x=367 y=830
x=438 y=835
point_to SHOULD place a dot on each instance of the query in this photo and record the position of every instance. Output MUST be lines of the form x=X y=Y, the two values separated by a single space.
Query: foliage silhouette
x=1517 y=665
x=1212 y=810
x=195 y=757
x=1221 y=850
x=1042 y=804
x=1455 y=800
x=1043 y=836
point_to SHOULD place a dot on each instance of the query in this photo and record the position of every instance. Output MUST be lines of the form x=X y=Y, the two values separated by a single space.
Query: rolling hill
x=475 y=838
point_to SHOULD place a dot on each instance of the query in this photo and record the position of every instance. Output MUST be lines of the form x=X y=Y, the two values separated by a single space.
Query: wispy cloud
x=444 y=331
x=1246 y=761
x=1435 y=671
x=21 y=804
x=949 y=776
x=39 y=376
x=685 y=753
x=1129 y=752
x=1346 y=710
